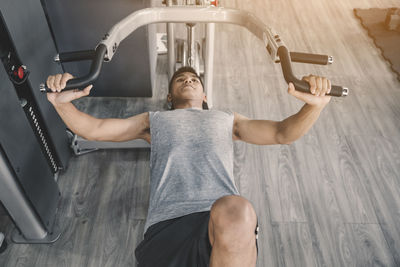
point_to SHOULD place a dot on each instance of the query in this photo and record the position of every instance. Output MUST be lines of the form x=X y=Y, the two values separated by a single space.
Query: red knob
x=20 y=72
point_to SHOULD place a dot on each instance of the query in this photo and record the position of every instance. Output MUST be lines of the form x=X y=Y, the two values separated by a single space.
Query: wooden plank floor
x=330 y=199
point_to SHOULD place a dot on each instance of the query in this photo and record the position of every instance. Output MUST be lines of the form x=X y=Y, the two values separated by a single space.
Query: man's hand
x=57 y=83
x=319 y=87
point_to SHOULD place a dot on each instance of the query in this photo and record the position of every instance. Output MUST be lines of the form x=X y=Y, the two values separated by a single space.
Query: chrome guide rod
x=171 y=45
x=209 y=63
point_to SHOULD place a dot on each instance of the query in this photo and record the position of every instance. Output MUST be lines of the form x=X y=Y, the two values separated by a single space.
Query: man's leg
x=231 y=233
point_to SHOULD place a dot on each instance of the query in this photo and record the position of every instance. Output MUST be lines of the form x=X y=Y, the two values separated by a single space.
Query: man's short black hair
x=180 y=71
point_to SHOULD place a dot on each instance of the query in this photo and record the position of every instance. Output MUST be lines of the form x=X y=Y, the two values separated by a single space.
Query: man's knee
x=233 y=209
x=233 y=219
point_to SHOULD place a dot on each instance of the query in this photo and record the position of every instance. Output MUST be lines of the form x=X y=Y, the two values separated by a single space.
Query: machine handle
x=311 y=58
x=300 y=85
x=82 y=82
x=75 y=56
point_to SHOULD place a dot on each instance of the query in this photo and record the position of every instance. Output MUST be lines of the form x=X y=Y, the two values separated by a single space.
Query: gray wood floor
x=330 y=199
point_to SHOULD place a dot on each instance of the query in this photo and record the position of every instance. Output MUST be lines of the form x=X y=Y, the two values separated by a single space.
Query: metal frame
x=82 y=146
x=191 y=15
x=184 y=14
x=275 y=47
x=209 y=63
x=30 y=227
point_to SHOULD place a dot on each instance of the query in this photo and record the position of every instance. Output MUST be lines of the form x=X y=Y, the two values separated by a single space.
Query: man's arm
x=89 y=127
x=265 y=132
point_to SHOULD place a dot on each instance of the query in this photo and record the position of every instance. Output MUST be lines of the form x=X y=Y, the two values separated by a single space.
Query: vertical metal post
x=17 y=205
x=209 y=62
x=183 y=48
x=171 y=46
x=20 y=209
x=171 y=49
x=191 y=45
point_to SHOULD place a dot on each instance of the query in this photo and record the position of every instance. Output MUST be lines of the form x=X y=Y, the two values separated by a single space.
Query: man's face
x=186 y=86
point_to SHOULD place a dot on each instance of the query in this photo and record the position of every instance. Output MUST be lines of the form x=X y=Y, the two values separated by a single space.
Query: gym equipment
x=133 y=73
x=191 y=15
x=28 y=195
x=106 y=49
x=33 y=142
x=82 y=146
x=25 y=68
x=28 y=189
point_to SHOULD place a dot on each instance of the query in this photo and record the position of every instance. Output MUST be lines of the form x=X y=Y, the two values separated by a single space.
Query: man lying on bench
x=196 y=216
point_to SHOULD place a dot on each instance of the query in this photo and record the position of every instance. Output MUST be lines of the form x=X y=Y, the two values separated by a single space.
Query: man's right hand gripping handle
x=57 y=83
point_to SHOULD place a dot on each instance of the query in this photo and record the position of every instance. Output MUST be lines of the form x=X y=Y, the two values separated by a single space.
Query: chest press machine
x=188 y=52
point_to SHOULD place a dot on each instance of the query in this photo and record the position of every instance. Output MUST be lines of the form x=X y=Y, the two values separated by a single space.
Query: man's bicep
x=119 y=130
x=139 y=127
x=259 y=132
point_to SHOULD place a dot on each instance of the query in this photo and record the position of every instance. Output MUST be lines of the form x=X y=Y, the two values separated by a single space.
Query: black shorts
x=177 y=242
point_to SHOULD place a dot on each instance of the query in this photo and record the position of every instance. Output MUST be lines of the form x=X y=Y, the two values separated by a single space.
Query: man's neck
x=188 y=104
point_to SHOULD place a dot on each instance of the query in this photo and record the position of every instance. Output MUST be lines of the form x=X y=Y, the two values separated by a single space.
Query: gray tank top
x=191 y=162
